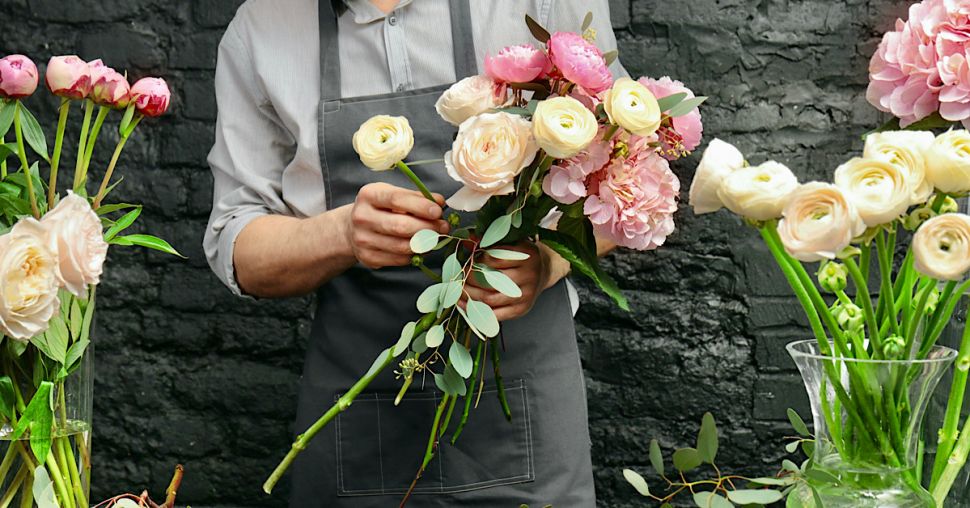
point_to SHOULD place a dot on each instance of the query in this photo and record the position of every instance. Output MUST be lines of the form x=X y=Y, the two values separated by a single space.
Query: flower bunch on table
x=904 y=180
x=549 y=149
x=52 y=251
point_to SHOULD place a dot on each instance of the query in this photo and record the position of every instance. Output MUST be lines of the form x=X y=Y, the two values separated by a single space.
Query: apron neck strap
x=461 y=37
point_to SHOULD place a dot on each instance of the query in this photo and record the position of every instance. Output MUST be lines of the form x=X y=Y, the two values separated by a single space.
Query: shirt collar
x=366 y=12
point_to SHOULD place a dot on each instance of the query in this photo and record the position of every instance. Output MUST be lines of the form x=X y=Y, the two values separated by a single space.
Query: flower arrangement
x=549 y=149
x=52 y=251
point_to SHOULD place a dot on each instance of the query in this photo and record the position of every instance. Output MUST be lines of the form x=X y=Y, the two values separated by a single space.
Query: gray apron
x=370 y=453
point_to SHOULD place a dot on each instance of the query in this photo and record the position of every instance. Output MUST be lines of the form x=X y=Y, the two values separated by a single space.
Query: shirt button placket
x=396 y=52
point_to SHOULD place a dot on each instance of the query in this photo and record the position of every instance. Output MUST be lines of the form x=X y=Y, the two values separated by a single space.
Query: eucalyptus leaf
x=610 y=56
x=707 y=439
x=451 y=294
x=671 y=100
x=821 y=476
x=429 y=298
x=450 y=382
x=587 y=21
x=754 y=496
x=451 y=269
x=507 y=255
x=481 y=316
x=792 y=447
x=502 y=283
x=33 y=134
x=711 y=500
x=798 y=424
x=407 y=333
x=8 y=398
x=497 y=231
x=419 y=345
x=776 y=482
x=43 y=489
x=471 y=325
x=687 y=459
x=381 y=358
x=423 y=241
x=788 y=465
x=638 y=482
x=435 y=336
x=461 y=360
x=686 y=106
x=656 y=457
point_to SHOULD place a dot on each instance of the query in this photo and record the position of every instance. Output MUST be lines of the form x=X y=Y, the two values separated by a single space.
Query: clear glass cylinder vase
x=867 y=418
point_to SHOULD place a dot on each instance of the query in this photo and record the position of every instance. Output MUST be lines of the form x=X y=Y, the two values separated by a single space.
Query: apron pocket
x=380 y=446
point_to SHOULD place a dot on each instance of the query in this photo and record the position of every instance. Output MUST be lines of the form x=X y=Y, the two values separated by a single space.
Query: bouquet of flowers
x=52 y=251
x=549 y=149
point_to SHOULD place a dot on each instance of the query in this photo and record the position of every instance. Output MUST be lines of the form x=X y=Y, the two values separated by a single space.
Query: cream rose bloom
x=718 y=161
x=28 y=281
x=941 y=247
x=907 y=150
x=490 y=150
x=818 y=222
x=469 y=97
x=758 y=192
x=75 y=235
x=880 y=190
x=563 y=127
x=632 y=106
x=383 y=141
x=948 y=162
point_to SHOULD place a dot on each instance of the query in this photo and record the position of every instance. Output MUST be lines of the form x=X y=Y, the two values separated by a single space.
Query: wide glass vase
x=867 y=416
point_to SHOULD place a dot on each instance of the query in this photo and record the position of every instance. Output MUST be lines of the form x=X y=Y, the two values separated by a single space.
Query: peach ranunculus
x=563 y=127
x=948 y=162
x=719 y=160
x=941 y=247
x=75 y=235
x=490 y=150
x=28 y=278
x=906 y=149
x=758 y=192
x=469 y=97
x=880 y=190
x=383 y=141
x=818 y=222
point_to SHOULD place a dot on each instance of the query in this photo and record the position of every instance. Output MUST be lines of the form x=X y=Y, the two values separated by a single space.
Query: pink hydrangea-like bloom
x=566 y=180
x=632 y=200
x=517 y=64
x=684 y=133
x=580 y=61
x=18 y=77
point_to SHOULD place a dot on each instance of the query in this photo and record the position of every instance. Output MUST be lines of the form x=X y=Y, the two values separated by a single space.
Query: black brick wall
x=187 y=373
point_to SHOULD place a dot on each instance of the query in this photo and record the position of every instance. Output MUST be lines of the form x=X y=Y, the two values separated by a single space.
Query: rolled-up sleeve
x=250 y=153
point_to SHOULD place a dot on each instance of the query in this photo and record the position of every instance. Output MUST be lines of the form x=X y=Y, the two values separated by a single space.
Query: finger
x=510 y=312
x=410 y=202
x=389 y=244
x=380 y=259
x=489 y=296
x=404 y=226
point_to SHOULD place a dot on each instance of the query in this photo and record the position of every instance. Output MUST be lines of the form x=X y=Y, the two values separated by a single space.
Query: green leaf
x=798 y=424
x=43 y=489
x=451 y=294
x=502 y=283
x=149 y=241
x=435 y=336
x=33 y=134
x=429 y=298
x=638 y=482
x=711 y=500
x=75 y=352
x=656 y=457
x=671 y=100
x=821 y=476
x=381 y=358
x=6 y=150
x=481 y=316
x=610 y=56
x=7 y=110
x=584 y=262
x=77 y=318
x=450 y=382
x=126 y=119
x=507 y=255
x=461 y=360
x=8 y=398
x=788 y=465
x=792 y=447
x=407 y=333
x=114 y=207
x=756 y=496
x=707 y=439
x=777 y=482
x=122 y=224
x=587 y=21
x=451 y=268
x=424 y=240
x=686 y=107
x=470 y=325
x=687 y=459
x=420 y=344
x=497 y=231
x=540 y=33
x=38 y=418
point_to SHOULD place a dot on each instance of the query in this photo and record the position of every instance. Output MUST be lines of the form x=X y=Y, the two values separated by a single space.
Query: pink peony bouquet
x=550 y=149
x=922 y=68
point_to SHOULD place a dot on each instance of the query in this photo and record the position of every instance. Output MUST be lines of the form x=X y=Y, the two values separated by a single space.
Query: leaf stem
x=92 y=140
x=948 y=433
x=499 y=385
x=469 y=392
x=114 y=161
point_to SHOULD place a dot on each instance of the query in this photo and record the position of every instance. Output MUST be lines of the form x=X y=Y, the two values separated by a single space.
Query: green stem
x=958 y=388
x=610 y=132
x=27 y=499
x=7 y=462
x=885 y=274
x=939 y=322
x=3 y=162
x=954 y=463
x=447 y=422
x=56 y=156
x=429 y=452
x=75 y=476
x=67 y=500
x=862 y=287
x=414 y=178
x=917 y=315
x=111 y=168
x=92 y=141
x=82 y=143
x=499 y=385
x=423 y=162
x=14 y=487
x=469 y=392
x=22 y=153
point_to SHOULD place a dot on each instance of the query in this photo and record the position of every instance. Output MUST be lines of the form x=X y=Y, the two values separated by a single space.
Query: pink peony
x=684 y=133
x=18 y=77
x=632 y=200
x=110 y=89
x=517 y=64
x=151 y=96
x=566 y=180
x=579 y=61
x=68 y=77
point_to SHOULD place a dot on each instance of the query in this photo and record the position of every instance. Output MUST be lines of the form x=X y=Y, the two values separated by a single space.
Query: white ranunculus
x=28 y=281
x=383 y=141
x=948 y=162
x=632 y=106
x=76 y=236
x=469 y=97
x=490 y=150
x=563 y=127
x=906 y=149
x=818 y=222
x=880 y=190
x=718 y=161
x=941 y=247
x=758 y=192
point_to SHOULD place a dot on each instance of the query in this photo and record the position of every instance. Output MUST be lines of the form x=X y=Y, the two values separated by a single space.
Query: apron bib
x=370 y=453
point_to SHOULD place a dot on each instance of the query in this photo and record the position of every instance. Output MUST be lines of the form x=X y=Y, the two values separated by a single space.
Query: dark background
x=187 y=373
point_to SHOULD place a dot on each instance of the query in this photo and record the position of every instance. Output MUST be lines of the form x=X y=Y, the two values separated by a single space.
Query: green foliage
x=38 y=418
x=538 y=31
x=33 y=134
x=585 y=262
x=497 y=231
x=149 y=241
x=424 y=241
x=461 y=360
x=8 y=399
x=798 y=424
x=686 y=106
x=707 y=439
x=668 y=102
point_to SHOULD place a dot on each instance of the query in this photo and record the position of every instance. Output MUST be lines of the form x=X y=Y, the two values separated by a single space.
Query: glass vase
x=868 y=416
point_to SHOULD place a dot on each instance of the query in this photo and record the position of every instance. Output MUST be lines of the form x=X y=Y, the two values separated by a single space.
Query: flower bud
x=151 y=96
x=454 y=220
x=833 y=277
x=18 y=77
x=417 y=260
x=111 y=89
x=949 y=205
x=893 y=347
x=536 y=189
x=931 y=302
x=68 y=77
x=917 y=217
x=850 y=317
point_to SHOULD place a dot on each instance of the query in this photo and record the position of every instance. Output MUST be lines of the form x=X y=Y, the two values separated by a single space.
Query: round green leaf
x=451 y=268
x=451 y=294
x=656 y=457
x=687 y=459
x=407 y=333
x=428 y=300
x=420 y=345
x=460 y=360
x=798 y=424
x=497 y=231
x=637 y=481
x=507 y=255
x=481 y=316
x=792 y=447
x=711 y=500
x=707 y=439
x=754 y=496
x=435 y=336
x=776 y=482
x=502 y=283
x=424 y=240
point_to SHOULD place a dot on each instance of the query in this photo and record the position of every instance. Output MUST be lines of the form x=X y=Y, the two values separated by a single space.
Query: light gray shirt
x=265 y=158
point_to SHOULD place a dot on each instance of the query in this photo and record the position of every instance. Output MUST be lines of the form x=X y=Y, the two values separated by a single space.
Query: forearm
x=558 y=268
x=279 y=256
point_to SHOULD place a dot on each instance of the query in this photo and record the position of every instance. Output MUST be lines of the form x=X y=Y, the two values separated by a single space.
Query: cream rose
x=469 y=97
x=490 y=150
x=563 y=126
x=718 y=161
x=818 y=222
x=28 y=281
x=758 y=192
x=383 y=141
x=75 y=235
x=941 y=247
x=948 y=162
x=906 y=149
x=632 y=106
x=880 y=190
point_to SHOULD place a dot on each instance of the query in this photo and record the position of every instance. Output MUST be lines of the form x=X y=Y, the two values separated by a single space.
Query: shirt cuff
x=225 y=269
